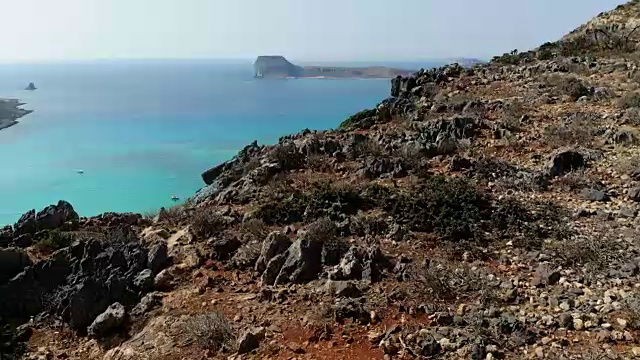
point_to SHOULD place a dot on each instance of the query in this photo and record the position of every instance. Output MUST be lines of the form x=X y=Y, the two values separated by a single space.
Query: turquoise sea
x=142 y=131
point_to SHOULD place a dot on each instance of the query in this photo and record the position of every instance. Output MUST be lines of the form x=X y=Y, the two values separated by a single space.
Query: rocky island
x=280 y=67
x=10 y=112
x=490 y=212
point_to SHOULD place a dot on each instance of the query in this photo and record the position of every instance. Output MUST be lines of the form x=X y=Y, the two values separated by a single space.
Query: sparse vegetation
x=323 y=200
x=255 y=229
x=629 y=100
x=510 y=58
x=577 y=129
x=206 y=222
x=361 y=120
x=452 y=281
x=567 y=85
x=211 y=331
x=452 y=208
x=595 y=254
x=55 y=240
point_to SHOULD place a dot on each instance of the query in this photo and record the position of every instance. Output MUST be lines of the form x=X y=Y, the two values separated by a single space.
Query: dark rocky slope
x=478 y=213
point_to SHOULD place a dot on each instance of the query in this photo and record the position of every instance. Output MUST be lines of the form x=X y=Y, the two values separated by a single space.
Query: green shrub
x=362 y=119
x=55 y=240
x=510 y=58
x=324 y=200
x=568 y=85
x=288 y=156
x=450 y=207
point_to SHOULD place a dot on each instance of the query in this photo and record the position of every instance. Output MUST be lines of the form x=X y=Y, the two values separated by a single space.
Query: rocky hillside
x=477 y=213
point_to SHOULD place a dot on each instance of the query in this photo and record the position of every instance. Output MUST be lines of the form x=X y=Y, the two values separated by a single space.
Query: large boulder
x=26 y=224
x=272 y=269
x=54 y=216
x=12 y=262
x=402 y=86
x=6 y=236
x=158 y=257
x=49 y=218
x=223 y=249
x=250 y=340
x=109 y=321
x=563 y=161
x=215 y=174
x=303 y=263
x=275 y=244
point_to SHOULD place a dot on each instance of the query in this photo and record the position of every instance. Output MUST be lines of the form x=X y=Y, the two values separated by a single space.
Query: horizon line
x=133 y=59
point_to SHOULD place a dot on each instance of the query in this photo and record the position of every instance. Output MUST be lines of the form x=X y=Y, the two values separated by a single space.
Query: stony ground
x=478 y=213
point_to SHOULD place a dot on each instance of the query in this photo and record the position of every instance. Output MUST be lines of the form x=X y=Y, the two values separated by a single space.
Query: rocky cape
x=10 y=112
x=489 y=212
x=279 y=67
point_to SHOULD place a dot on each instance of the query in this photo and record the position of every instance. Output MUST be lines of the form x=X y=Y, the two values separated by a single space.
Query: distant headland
x=279 y=67
x=10 y=112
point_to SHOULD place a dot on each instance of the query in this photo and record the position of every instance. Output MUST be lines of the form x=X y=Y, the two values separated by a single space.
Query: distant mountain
x=280 y=67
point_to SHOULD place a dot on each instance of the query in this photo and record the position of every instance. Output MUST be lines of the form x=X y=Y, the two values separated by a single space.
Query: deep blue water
x=145 y=130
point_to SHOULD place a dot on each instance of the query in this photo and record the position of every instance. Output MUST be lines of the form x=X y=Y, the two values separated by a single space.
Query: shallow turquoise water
x=143 y=131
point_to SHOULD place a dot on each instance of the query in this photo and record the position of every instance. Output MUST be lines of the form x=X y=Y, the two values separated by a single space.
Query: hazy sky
x=298 y=29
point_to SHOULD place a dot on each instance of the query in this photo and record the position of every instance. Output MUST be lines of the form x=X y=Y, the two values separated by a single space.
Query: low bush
x=567 y=85
x=368 y=224
x=596 y=254
x=510 y=58
x=576 y=129
x=452 y=208
x=287 y=156
x=205 y=223
x=450 y=281
x=255 y=229
x=629 y=100
x=324 y=200
x=55 y=240
x=362 y=119
x=456 y=210
x=325 y=232
x=211 y=331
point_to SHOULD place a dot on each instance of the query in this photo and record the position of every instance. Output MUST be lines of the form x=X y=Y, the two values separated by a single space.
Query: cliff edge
x=275 y=66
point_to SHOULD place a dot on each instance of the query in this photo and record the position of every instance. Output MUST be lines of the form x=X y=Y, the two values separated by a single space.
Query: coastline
x=11 y=111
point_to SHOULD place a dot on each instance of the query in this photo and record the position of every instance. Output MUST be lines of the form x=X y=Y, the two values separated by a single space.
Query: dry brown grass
x=629 y=100
x=451 y=281
x=211 y=331
x=595 y=254
x=206 y=222
x=255 y=229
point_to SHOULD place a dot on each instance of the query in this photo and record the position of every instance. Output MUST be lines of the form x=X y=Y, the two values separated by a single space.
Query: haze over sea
x=143 y=131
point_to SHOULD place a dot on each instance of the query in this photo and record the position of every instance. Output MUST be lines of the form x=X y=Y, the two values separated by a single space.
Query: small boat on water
x=175 y=198
x=80 y=171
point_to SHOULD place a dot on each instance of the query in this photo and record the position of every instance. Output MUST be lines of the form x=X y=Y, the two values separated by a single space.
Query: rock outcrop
x=49 y=218
x=79 y=283
x=275 y=66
